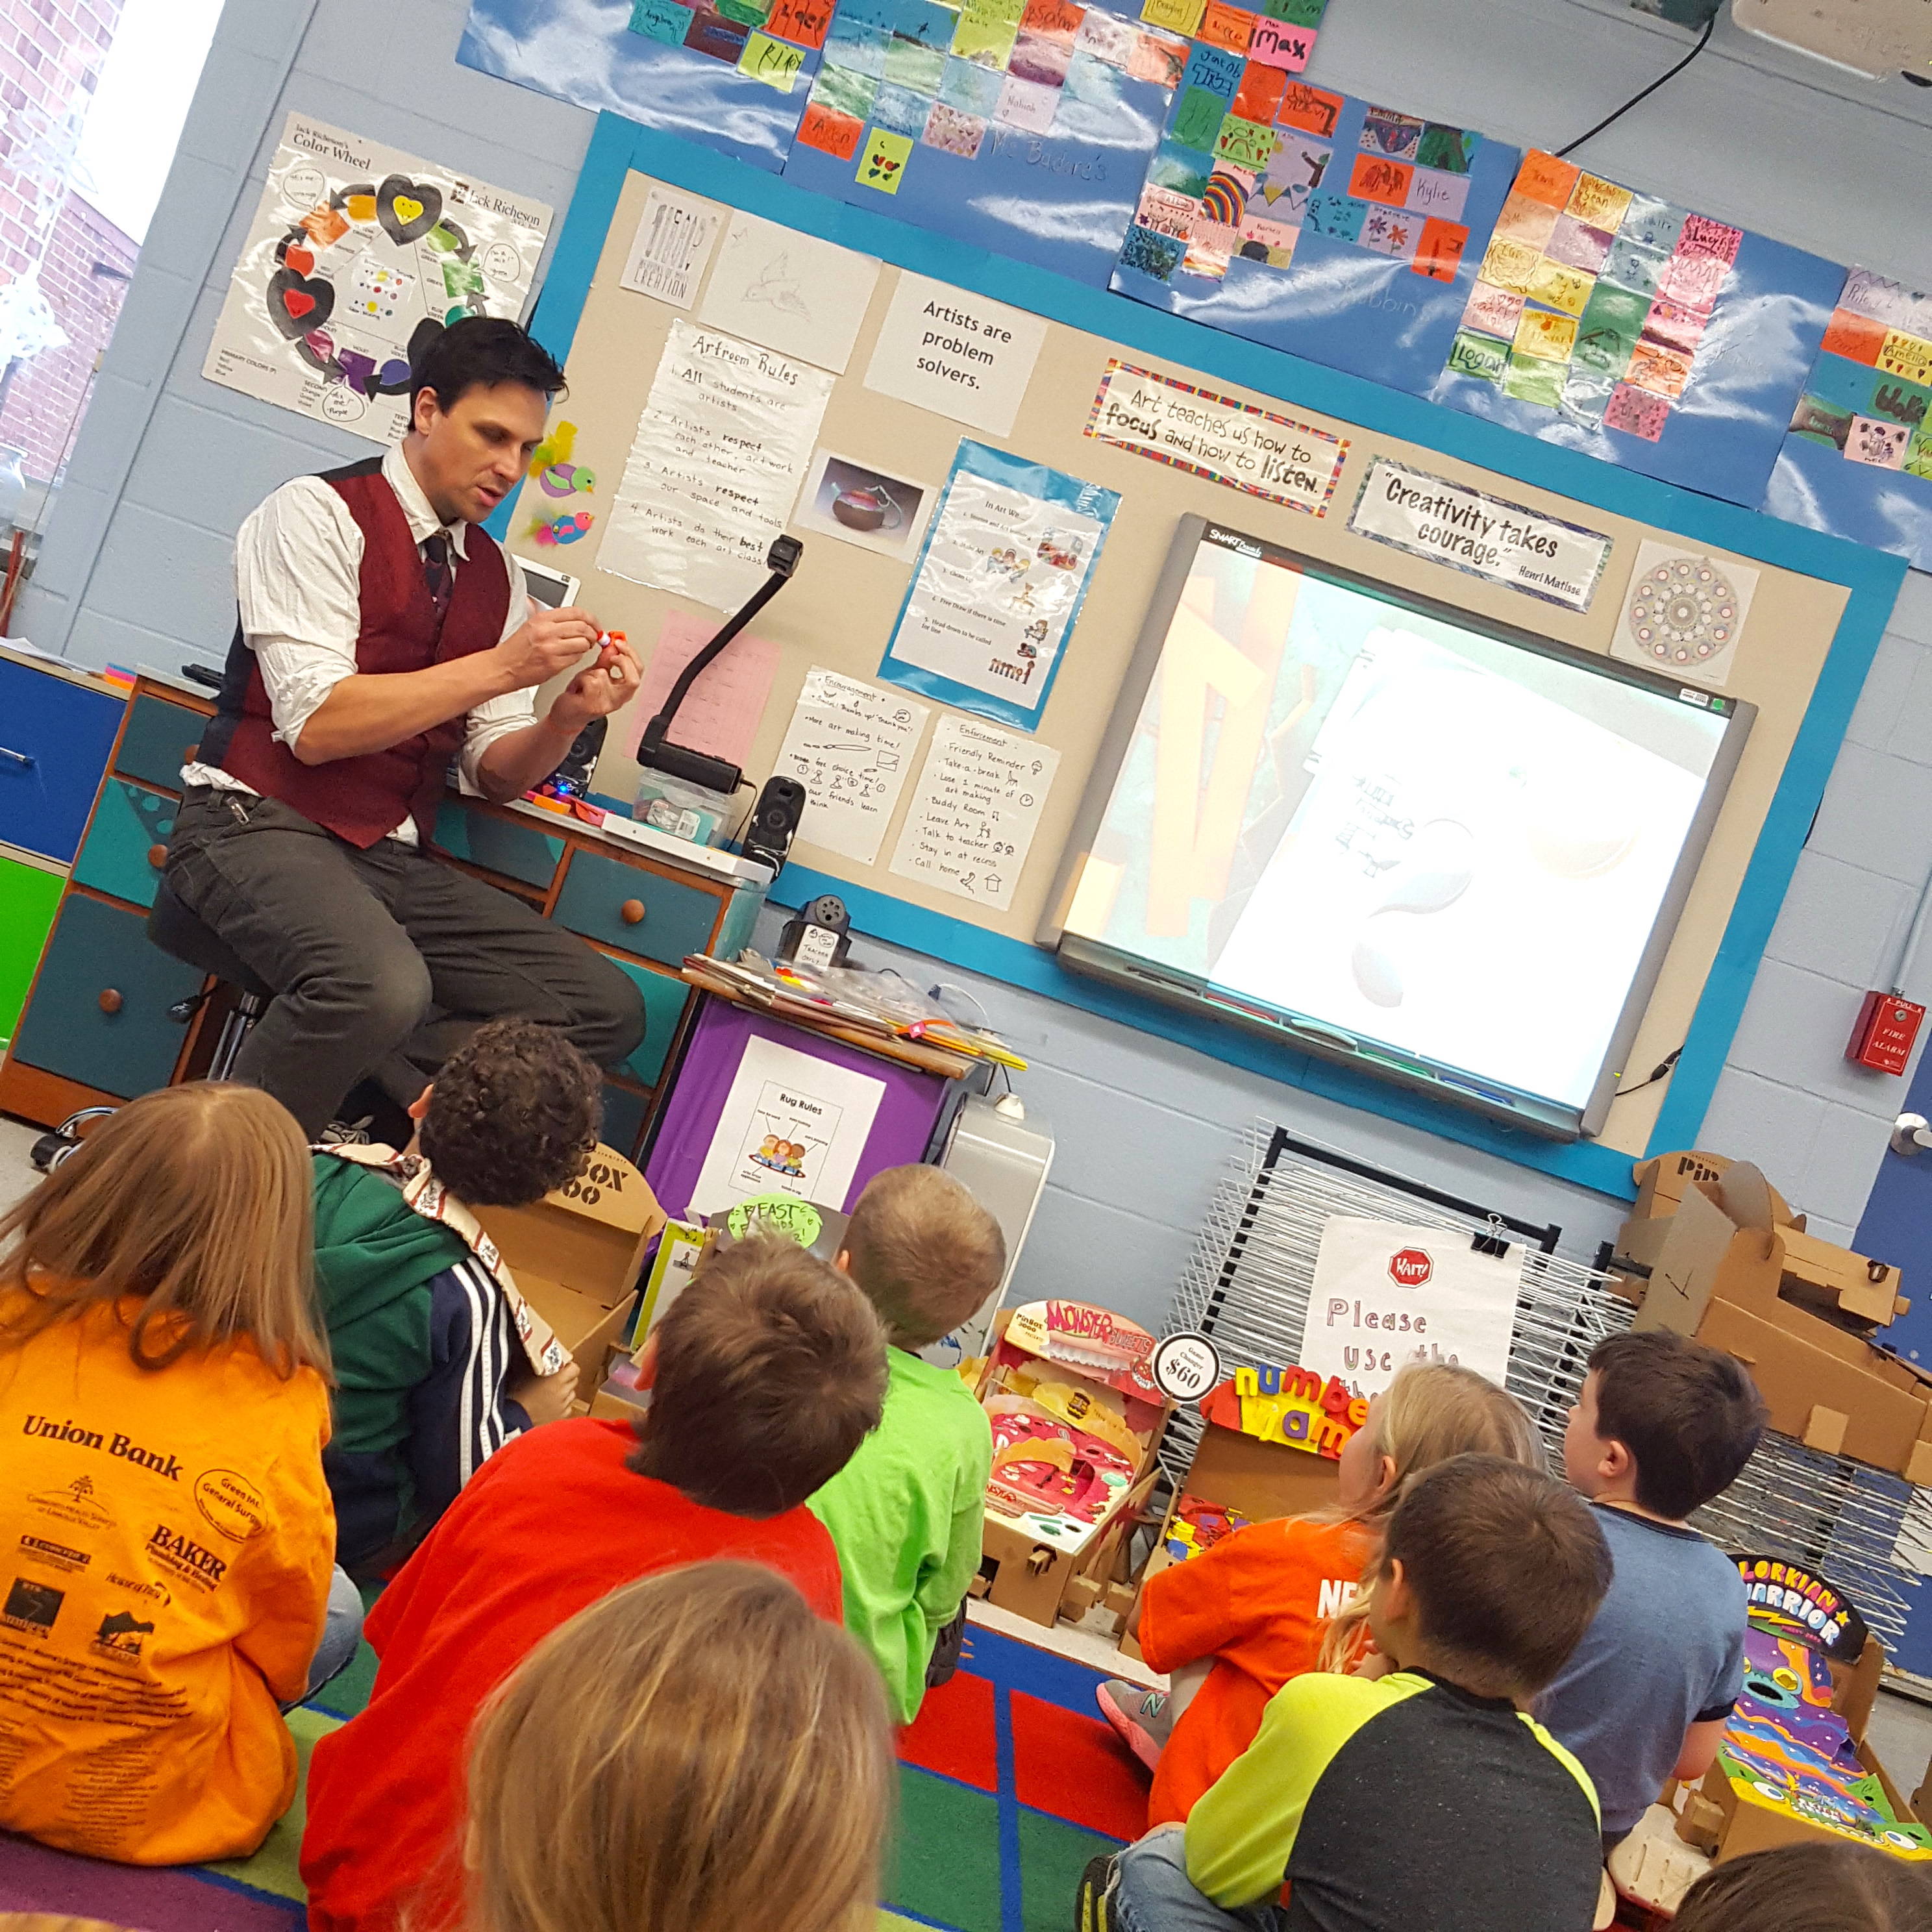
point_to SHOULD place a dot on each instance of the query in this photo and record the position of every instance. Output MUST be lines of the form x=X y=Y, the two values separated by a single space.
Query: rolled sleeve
x=499 y=717
x=298 y=572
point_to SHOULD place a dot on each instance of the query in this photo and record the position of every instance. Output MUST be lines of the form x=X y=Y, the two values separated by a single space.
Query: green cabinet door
x=100 y=1011
x=27 y=898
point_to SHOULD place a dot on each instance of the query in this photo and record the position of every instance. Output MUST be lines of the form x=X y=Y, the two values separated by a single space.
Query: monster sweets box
x=1794 y=1765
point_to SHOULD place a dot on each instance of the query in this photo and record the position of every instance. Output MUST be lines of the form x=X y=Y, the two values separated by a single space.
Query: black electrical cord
x=1703 y=41
x=1661 y=1071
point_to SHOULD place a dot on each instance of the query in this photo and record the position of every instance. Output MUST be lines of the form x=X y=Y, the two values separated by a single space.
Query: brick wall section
x=51 y=53
x=46 y=397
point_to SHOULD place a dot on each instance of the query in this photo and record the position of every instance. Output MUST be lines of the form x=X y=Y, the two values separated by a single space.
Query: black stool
x=175 y=930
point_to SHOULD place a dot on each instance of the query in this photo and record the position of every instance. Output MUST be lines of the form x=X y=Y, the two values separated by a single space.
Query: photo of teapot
x=867 y=507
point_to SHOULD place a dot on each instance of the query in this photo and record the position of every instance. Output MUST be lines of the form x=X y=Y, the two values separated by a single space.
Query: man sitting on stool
x=381 y=634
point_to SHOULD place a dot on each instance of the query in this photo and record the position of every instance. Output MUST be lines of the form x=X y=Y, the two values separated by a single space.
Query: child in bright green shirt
x=905 y=1512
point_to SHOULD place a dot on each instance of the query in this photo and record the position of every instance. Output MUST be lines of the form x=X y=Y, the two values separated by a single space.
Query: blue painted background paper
x=1001 y=578
x=588 y=53
x=1337 y=298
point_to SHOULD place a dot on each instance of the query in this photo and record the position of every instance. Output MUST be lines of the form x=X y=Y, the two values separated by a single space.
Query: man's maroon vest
x=361 y=799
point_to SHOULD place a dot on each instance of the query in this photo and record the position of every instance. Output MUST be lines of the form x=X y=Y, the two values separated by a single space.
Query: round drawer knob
x=632 y=912
x=110 y=1001
x=157 y=856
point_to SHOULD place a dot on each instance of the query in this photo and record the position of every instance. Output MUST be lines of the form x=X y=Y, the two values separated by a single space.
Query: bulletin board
x=1820 y=603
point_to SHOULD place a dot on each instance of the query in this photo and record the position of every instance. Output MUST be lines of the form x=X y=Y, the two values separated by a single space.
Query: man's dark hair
x=1507 y=1567
x=771 y=1370
x=479 y=352
x=514 y=1113
x=1690 y=1415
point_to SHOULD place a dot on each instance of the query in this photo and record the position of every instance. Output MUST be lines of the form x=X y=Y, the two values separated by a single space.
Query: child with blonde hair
x=906 y=1512
x=711 y=1755
x=163 y=1394
x=1233 y=1625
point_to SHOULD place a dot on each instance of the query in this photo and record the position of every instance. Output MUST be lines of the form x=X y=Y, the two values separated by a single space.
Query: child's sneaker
x=1140 y=1716
x=1091 y=1912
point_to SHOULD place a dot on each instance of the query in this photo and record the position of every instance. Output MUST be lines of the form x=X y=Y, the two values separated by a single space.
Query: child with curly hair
x=433 y=1372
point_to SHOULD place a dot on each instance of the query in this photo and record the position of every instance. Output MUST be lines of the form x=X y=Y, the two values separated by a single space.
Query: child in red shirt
x=769 y=1371
x=1232 y=1625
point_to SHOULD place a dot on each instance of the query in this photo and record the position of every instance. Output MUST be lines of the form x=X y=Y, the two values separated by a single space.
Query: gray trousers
x=383 y=961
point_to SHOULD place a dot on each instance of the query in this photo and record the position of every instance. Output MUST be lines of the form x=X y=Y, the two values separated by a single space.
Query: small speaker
x=774 y=821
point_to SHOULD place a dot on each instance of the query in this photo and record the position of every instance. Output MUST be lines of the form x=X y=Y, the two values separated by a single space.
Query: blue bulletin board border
x=1873 y=578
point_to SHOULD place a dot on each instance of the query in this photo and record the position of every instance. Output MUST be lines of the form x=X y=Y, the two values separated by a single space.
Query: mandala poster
x=1684 y=613
x=357 y=258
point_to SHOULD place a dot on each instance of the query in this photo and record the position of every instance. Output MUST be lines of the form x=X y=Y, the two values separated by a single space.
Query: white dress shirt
x=298 y=565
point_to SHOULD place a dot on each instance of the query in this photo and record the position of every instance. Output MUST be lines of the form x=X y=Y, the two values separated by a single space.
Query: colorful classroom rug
x=1009 y=1783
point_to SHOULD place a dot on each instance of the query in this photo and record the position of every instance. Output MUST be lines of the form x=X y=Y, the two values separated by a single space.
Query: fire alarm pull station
x=1887 y=1026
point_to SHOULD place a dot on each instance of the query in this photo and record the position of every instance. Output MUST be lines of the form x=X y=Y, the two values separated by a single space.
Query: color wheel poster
x=1858 y=459
x=1020 y=126
x=357 y=258
x=1000 y=583
x=1640 y=333
x=729 y=74
x=1311 y=221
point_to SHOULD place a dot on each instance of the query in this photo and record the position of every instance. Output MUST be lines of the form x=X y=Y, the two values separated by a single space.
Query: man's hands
x=600 y=688
x=548 y=641
x=544 y=1398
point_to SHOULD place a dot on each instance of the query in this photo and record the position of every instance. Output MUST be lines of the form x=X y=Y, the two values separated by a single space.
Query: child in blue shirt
x=1663 y=1425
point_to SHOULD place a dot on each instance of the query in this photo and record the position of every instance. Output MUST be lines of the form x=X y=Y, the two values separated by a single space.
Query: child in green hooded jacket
x=432 y=1374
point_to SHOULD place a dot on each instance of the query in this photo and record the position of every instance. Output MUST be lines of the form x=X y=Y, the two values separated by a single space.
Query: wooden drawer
x=127 y=842
x=54 y=737
x=624 y=1112
x=27 y=898
x=100 y=1009
x=499 y=845
x=160 y=738
x=666 y=920
x=664 y=999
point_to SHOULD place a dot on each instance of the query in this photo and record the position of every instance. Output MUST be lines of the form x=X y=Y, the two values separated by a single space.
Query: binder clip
x=1495 y=1242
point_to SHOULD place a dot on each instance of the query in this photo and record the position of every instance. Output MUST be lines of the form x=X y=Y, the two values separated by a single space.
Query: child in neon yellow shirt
x=905 y=1513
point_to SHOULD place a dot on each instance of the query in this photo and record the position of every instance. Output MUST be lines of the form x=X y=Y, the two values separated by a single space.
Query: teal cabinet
x=665 y=1000
x=160 y=738
x=499 y=845
x=99 y=1012
x=639 y=911
x=127 y=843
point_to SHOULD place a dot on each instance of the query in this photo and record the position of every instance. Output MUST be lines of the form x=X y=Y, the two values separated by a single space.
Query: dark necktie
x=439 y=573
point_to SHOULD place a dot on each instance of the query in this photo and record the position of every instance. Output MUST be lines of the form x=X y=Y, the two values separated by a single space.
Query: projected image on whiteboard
x=1450 y=849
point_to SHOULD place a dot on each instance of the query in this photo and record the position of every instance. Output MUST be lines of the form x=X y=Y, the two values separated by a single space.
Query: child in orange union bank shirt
x=168 y=1535
x=1233 y=1625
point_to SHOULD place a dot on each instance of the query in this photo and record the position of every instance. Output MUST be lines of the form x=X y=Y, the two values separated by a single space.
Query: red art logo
x=1410 y=1268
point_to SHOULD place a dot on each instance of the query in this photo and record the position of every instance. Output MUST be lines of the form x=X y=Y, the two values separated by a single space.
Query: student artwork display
x=715 y=467
x=1021 y=126
x=1385 y=1294
x=1000 y=583
x=1857 y=461
x=1638 y=331
x=730 y=74
x=1309 y=221
x=358 y=257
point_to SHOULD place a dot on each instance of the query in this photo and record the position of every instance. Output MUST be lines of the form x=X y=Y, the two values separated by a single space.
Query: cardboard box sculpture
x=577 y=1254
x=1076 y=1419
x=1803 y=1316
